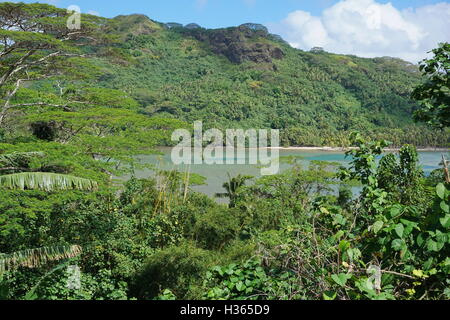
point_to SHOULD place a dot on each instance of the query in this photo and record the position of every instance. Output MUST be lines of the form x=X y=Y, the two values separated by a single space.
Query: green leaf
x=440 y=191
x=339 y=234
x=420 y=240
x=445 y=221
x=240 y=286
x=434 y=246
x=219 y=270
x=445 y=207
x=45 y=181
x=354 y=254
x=229 y=271
x=399 y=229
x=341 y=279
x=365 y=285
x=397 y=244
x=377 y=226
x=329 y=295
x=395 y=211
x=344 y=245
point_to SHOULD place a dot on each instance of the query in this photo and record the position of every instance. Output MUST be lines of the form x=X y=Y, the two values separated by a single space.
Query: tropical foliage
x=434 y=93
x=33 y=258
x=79 y=111
x=232 y=187
x=45 y=181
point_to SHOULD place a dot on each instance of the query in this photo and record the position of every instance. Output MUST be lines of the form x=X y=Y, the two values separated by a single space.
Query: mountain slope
x=245 y=77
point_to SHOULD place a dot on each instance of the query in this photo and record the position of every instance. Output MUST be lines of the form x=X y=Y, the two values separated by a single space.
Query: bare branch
x=7 y=105
x=16 y=67
x=7 y=51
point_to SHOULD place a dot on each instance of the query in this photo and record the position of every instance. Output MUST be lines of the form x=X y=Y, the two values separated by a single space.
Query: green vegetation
x=76 y=117
x=285 y=237
x=232 y=186
x=241 y=77
x=434 y=93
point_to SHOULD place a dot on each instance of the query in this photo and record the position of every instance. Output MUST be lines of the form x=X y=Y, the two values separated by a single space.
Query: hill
x=245 y=77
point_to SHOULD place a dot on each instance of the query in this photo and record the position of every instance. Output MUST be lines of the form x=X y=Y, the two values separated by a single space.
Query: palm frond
x=33 y=258
x=45 y=181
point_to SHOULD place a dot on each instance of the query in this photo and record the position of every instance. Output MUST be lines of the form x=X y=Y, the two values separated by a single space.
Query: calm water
x=218 y=174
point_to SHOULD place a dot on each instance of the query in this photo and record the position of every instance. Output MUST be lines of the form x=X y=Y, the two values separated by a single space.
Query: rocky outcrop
x=241 y=44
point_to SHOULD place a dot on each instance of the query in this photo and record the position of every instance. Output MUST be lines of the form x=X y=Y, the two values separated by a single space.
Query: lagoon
x=216 y=175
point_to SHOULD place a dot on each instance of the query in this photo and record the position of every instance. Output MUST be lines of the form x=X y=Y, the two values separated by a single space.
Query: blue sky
x=407 y=29
x=215 y=13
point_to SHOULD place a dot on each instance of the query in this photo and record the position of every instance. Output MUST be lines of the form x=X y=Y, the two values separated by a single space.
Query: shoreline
x=344 y=149
x=339 y=149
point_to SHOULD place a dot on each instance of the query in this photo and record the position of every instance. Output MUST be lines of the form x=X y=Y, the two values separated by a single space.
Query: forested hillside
x=239 y=77
x=245 y=77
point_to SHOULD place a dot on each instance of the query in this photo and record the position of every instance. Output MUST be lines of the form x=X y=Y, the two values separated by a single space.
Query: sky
x=407 y=29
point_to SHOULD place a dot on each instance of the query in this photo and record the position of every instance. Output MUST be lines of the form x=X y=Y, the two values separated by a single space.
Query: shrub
x=178 y=269
x=217 y=228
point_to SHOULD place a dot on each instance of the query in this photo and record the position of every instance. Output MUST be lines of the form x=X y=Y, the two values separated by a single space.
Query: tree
x=232 y=187
x=34 y=258
x=434 y=93
x=36 y=43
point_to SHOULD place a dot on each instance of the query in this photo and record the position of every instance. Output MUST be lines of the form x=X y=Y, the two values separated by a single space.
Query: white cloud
x=369 y=29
